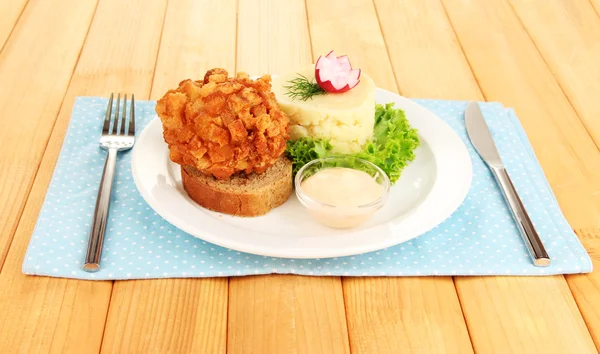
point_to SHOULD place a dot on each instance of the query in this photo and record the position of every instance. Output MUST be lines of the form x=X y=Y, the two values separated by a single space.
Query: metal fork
x=115 y=137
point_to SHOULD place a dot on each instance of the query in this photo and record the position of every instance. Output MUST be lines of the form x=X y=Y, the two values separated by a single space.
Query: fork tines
x=120 y=124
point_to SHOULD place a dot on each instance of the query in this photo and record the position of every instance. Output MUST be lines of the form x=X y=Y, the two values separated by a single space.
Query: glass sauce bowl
x=349 y=211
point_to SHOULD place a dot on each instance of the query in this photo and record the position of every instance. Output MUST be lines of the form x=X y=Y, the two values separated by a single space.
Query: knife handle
x=530 y=236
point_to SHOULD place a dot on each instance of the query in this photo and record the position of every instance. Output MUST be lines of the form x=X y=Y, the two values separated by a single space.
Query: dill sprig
x=303 y=88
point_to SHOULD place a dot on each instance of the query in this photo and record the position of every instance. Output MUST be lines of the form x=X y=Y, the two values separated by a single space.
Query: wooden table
x=541 y=57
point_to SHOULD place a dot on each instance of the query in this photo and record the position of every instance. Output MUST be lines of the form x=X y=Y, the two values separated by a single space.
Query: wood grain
x=509 y=69
x=425 y=315
x=35 y=68
x=570 y=48
x=419 y=315
x=290 y=314
x=586 y=287
x=194 y=40
x=273 y=36
x=286 y=314
x=10 y=11
x=178 y=315
x=167 y=316
x=520 y=315
x=425 y=54
x=596 y=5
x=53 y=314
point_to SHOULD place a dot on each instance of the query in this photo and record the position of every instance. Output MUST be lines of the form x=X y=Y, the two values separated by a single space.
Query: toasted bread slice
x=251 y=195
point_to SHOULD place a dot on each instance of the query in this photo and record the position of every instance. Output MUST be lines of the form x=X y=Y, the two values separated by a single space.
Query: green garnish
x=303 y=88
x=303 y=150
x=394 y=141
x=392 y=147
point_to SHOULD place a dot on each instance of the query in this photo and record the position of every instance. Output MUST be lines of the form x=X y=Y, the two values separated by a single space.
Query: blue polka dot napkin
x=480 y=238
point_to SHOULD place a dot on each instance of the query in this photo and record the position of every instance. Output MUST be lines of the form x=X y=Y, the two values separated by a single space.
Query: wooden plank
x=586 y=287
x=167 y=316
x=265 y=27
x=281 y=313
x=286 y=314
x=10 y=11
x=596 y=5
x=509 y=69
x=34 y=76
x=570 y=47
x=527 y=314
x=508 y=315
x=427 y=60
x=178 y=315
x=420 y=315
x=52 y=314
x=193 y=41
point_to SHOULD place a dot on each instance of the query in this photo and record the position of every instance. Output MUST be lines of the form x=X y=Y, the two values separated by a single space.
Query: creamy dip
x=344 y=190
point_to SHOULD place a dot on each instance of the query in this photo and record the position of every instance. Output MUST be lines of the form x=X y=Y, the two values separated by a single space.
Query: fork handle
x=96 y=237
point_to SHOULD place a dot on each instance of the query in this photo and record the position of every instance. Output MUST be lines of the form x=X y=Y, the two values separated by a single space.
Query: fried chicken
x=224 y=126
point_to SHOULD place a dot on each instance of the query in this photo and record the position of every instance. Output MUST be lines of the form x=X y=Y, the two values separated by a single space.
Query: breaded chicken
x=222 y=125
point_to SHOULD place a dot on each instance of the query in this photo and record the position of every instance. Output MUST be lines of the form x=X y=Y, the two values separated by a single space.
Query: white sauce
x=344 y=188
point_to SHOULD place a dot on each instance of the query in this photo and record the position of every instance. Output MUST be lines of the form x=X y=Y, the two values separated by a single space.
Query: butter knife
x=482 y=140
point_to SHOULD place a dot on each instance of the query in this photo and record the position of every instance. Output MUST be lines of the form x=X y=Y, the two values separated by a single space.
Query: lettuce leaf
x=394 y=141
x=304 y=150
x=391 y=148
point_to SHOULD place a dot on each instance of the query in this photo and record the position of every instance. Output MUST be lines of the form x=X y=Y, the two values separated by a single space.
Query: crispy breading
x=222 y=125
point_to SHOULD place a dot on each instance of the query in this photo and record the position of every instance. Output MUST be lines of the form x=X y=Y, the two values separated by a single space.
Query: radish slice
x=335 y=74
x=344 y=62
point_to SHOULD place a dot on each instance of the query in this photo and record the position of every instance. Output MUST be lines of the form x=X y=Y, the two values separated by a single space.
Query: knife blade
x=483 y=142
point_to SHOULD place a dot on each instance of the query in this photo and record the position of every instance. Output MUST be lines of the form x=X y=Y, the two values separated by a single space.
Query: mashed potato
x=346 y=119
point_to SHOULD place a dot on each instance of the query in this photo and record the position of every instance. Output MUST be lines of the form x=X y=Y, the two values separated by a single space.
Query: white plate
x=429 y=190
